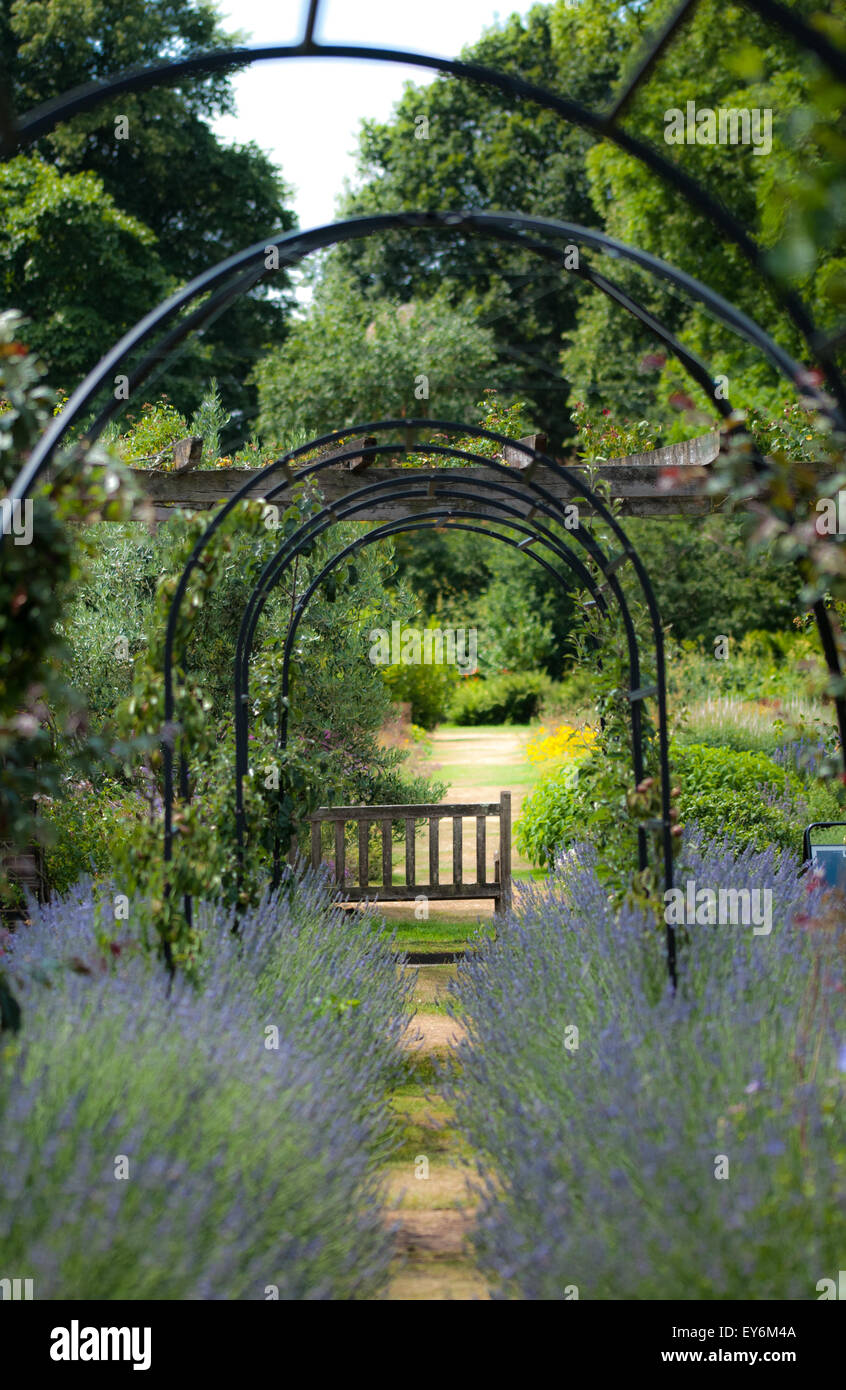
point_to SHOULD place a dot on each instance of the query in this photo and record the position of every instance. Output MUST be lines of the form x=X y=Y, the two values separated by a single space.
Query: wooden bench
x=385 y=890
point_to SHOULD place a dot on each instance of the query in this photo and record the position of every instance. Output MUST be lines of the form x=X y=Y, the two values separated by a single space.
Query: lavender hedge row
x=170 y=1144
x=673 y=1147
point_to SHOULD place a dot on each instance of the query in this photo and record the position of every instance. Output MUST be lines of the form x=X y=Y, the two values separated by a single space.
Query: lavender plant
x=638 y=1144
x=222 y=1140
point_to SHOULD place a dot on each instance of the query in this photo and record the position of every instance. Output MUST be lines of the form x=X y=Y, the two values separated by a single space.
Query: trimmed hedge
x=508 y=699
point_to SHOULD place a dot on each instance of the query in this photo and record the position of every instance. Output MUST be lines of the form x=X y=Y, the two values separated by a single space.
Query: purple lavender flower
x=249 y=1112
x=639 y=1143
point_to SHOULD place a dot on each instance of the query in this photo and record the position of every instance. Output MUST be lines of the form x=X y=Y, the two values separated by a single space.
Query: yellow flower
x=564 y=742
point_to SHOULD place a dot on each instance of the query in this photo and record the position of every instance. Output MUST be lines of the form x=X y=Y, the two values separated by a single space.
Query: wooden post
x=187 y=453
x=457 y=850
x=409 y=850
x=340 y=852
x=387 y=870
x=434 y=852
x=504 y=852
x=481 y=847
x=363 y=853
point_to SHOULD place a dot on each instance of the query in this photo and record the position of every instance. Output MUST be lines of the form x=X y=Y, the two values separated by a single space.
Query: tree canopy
x=160 y=165
x=455 y=144
x=458 y=145
x=353 y=359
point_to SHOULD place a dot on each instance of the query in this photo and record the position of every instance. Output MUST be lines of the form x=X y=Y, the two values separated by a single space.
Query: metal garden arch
x=443 y=518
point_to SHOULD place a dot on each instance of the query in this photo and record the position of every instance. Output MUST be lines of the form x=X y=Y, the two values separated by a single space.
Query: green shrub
x=210 y=420
x=429 y=690
x=509 y=699
x=85 y=828
x=770 y=665
x=158 y=427
x=745 y=795
x=575 y=691
x=549 y=819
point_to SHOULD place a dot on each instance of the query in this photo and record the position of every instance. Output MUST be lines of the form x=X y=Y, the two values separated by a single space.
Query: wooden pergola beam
x=670 y=481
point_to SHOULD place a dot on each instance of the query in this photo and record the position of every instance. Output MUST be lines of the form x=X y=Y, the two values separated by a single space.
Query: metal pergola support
x=425 y=487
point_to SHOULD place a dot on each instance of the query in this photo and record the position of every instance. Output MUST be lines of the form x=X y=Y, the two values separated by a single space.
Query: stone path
x=429 y=1189
x=436 y=1212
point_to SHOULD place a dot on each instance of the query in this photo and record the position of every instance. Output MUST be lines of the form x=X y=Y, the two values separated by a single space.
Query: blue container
x=830 y=859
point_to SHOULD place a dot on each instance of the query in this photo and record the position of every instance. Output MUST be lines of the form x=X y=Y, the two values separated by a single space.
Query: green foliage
x=40 y=562
x=429 y=689
x=720 y=791
x=82 y=269
x=445 y=569
x=150 y=436
x=763 y=666
x=575 y=692
x=705 y=586
x=506 y=699
x=36 y=579
x=104 y=622
x=210 y=420
x=549 y=817
x=336 y=705
x=354 y=358
x=751 y=65
x=484 y=150
x=88 y=830
x=524 y=616
x=601 y=439
x=204 y=858
x=197 y=199
x=605 y=801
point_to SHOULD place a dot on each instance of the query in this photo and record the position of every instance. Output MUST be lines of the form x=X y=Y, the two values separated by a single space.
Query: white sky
x=305 y=112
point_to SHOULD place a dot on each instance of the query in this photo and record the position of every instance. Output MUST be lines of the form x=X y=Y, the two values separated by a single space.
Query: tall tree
x=353 y=359
x=79 y=268
x=783 y=183
x=456 y=145
x=162 y=164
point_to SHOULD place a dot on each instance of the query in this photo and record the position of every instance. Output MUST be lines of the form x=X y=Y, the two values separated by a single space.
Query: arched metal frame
x=443 y=519
x=241 y=272
x=295 y=247
x=445 y=516
x=422 y=485
x=230 y=279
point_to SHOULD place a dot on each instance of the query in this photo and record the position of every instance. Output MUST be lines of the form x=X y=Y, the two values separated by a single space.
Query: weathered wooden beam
x=187 y=453
x=421 y=811
x=670 y=481
x=516 y=457
x=401 y=892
